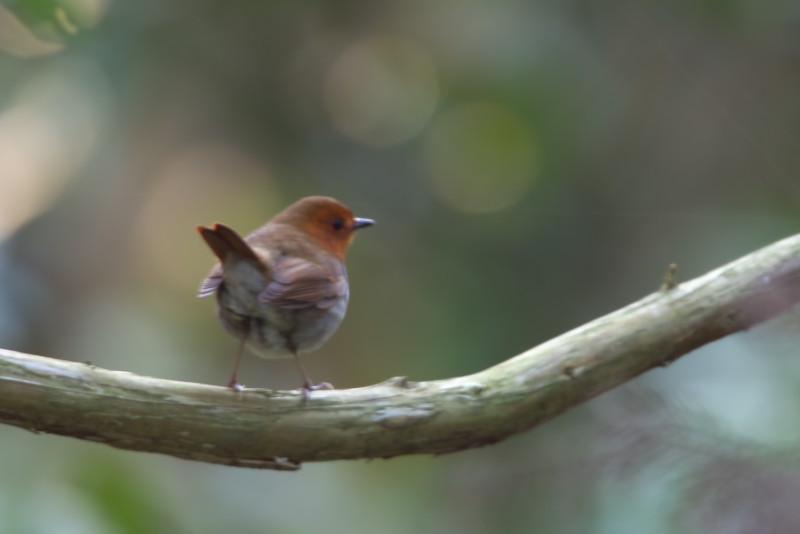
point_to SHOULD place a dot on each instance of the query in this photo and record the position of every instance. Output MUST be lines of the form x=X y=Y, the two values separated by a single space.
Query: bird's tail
x=233 y=253
x=224 y=241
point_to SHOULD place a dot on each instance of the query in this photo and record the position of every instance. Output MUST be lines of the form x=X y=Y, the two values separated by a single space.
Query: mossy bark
x=279 y=429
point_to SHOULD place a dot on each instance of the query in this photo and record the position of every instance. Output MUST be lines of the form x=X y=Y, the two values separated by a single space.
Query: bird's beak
x=362 y=223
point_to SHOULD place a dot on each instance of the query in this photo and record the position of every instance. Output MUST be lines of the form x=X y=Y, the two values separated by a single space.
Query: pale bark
x=279 y=430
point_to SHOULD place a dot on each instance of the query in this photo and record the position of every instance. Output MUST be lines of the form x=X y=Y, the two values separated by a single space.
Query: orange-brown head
x=328 y=221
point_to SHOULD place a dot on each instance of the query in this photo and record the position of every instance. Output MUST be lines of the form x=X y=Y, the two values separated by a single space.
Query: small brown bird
x=283 y=289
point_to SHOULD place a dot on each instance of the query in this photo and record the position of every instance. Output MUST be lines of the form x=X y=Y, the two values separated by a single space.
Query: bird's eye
x=338 y=223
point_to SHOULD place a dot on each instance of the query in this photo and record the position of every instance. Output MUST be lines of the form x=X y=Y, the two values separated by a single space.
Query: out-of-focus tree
x=554 y=154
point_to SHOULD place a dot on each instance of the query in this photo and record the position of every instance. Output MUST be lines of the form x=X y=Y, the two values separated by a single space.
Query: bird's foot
x=236 y=386
x=308 y=387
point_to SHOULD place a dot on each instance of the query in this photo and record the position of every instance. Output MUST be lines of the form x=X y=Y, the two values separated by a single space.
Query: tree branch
x=278 y=430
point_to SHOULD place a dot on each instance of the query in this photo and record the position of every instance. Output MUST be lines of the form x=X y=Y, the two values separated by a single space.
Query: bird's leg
x=307 y=384
x=234 y=382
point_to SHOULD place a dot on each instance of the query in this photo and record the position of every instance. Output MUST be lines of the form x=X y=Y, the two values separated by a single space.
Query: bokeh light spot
x=481 y=157
x=46 y=135
x=18 y=40
x=203 y=184
x=86 y=13
x=382 y=91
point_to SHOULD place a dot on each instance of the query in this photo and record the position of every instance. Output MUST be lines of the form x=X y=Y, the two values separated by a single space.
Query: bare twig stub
x=276 y=430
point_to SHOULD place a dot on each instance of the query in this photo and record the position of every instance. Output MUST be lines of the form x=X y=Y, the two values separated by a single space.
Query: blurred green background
x=532 y=165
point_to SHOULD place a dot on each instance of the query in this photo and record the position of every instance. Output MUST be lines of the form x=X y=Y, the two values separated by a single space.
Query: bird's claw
x=308 y=387
x=236 y=386
x=317 y=387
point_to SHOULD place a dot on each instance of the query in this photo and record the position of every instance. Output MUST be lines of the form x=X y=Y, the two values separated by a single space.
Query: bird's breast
x=275 y=332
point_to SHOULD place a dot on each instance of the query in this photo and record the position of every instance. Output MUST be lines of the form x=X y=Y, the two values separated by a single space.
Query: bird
x=283 y=289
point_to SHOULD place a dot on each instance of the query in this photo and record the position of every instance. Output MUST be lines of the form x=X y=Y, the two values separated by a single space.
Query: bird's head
x=328 y=221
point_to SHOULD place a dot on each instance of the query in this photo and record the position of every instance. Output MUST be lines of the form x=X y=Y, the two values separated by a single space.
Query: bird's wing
x=211 y=283
x=299 y=283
